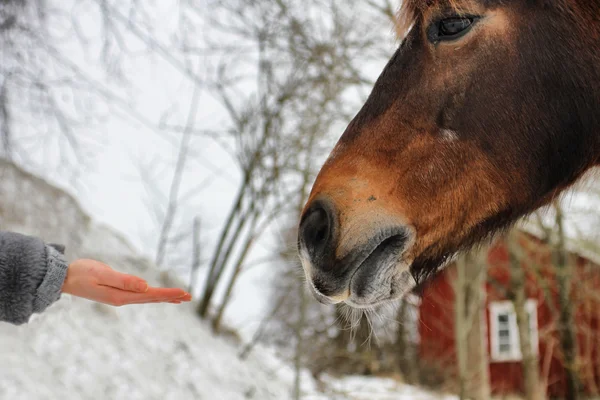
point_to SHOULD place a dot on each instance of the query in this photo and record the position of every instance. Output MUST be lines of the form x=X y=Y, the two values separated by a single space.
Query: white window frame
x=498 y=308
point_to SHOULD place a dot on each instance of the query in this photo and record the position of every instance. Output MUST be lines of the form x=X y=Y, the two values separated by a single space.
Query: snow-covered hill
x=83 y=350
x=80 y=350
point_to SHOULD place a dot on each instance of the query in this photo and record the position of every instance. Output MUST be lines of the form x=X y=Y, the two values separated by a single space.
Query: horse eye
x=450 y=28
x=453 y=26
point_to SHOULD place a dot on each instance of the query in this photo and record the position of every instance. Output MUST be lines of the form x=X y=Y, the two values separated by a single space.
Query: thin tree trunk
x=219 y=260
x=297 y=394
x=407 y=362
x=254 y=231
x=588 y=347
x=251 y=214
x=195 y=254
x=568 y=339
x=177 y=178
x=470 y=331
x=209 y=287
x=216 y=322
x=221 y=266
x=5 y=120
x=460 y=330
x=530 y=362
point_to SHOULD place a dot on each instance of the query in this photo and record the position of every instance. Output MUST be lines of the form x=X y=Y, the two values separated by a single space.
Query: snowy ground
x=81 y=350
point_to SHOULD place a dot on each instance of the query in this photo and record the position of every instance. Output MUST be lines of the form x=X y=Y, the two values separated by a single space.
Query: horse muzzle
x=345 y=260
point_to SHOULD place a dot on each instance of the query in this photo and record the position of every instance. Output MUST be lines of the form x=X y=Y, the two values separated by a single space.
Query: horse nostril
x=315 y=227
x=322 y=232
x=316 y=231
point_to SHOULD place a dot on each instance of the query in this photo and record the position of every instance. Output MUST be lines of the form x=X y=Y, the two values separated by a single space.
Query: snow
x=361 y=388
x=83 y=350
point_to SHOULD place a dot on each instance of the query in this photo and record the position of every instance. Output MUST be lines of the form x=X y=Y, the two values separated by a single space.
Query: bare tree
x=38 y=83
x=470 y=326
x=534 y=386
x=568 y=339
x=405 y=347
x=300 y=82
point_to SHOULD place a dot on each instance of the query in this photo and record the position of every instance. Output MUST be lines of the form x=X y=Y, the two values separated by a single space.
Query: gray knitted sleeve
x=31 y=276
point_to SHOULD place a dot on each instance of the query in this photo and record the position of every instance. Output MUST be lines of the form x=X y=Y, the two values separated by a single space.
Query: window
x=504 y=333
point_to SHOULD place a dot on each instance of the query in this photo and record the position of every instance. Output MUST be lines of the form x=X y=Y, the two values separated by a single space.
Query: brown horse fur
x=457 y=140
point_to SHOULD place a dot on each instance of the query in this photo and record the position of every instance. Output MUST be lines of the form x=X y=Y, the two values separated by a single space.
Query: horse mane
x=412 y=10
x=406 y=17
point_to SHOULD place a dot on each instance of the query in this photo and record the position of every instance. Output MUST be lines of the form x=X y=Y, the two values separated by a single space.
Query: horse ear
x=58 y=247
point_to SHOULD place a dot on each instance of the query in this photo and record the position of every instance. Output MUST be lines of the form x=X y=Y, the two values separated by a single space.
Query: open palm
x=96 y=281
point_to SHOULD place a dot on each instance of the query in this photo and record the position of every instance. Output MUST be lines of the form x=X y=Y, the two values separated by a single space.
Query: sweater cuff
x=50 y=289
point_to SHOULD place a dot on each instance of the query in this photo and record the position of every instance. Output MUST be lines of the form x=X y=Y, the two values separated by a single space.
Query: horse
x=487 y=111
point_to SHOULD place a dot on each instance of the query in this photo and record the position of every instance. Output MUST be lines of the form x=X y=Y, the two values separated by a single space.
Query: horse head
x=487 y=111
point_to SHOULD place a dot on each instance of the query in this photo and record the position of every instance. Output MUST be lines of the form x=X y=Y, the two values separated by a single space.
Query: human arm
x=34 y=274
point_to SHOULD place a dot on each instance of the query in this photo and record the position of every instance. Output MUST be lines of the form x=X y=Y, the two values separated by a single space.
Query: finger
x=173 y=293
x=185 y=297
x=153 y=301
x=120 y=297
x=118 y=280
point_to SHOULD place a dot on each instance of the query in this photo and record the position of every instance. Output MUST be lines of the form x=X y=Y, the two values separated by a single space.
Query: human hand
x=98 y=282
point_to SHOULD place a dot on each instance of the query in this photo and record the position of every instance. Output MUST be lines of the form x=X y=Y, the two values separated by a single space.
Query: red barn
x=436 y=313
